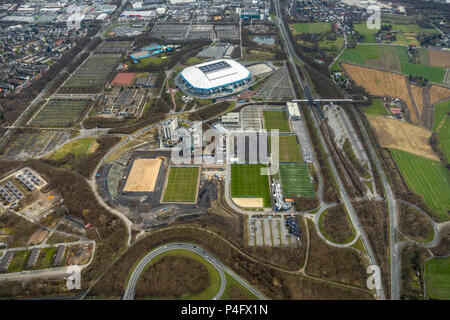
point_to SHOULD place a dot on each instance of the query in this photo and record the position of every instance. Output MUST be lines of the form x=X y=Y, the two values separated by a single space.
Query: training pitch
x=143 y=175
x=247 y=182
x=295 y=180
x=276 y=120
x=182 y=184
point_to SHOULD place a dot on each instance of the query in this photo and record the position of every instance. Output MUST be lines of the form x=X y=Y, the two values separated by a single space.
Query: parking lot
x=277 y=88
x=269 y=231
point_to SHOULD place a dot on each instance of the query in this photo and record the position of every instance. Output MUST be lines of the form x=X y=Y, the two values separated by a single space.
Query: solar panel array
x=213 y=67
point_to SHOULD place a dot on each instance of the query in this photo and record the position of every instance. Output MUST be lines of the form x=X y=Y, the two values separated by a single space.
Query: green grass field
x=407 y=33
x=315 y=27
x=295 y=180
x=428 y=178
x=393 y=58
x=276 y=120
x=181 y=184
x=289 y=149
x=444 y=137
x=434 y=74
x=331 y=45
x=376 y=109
x=369 y=34
x=19 y=261
x=247 y=182
x=234 y=285
x=79 y=148
x=437 y=278
x=440 y=110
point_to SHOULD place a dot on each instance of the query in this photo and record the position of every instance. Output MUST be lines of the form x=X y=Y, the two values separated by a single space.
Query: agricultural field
x=295 y=180
x=247 y=182
x=403 y=136
x=407 y=33
x=437 y=58
x=381 y=56
x=60 y=113
x=289 y=149
x=433 y=74
x=384 y=83
x=428 y=178
x=391 y=58
x=314 y=28
x=437 y=278
x=440 y=110
x=276 y=120
x=182 y=184
x=376 y=109
x=444 y=137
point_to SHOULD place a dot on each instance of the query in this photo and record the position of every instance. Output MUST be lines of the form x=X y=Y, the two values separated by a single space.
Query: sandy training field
x=143 y=175
x=249 y=202
x=404 y=136
x=123 y=79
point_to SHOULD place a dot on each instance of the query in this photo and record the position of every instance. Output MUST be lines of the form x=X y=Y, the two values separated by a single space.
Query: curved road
x=131 y=285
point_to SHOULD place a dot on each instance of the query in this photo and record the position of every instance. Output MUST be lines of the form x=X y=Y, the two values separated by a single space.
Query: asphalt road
x=344 y=197
x=221 y=268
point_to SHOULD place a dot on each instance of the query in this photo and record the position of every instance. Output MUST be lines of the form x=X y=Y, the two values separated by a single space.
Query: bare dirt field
x=384 y=83
x=403 y=135
x=438 y=94
x=249 y=202
x=143 y=175
x=439 y=58
x=381 y=83
x=37 y=237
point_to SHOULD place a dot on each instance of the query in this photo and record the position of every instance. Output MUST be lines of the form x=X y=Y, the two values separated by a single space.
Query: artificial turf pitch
x=181 y=184
x=295 y=180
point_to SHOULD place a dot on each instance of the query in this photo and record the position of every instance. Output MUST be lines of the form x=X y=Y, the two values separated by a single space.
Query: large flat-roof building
x=224 y=76
x=293 y=111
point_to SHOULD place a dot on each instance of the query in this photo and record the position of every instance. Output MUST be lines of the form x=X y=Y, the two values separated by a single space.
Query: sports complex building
x=214 y=78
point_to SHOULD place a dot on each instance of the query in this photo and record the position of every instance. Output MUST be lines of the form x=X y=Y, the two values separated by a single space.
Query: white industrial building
x=293 y=111
x=214 y=77
x=169 y=128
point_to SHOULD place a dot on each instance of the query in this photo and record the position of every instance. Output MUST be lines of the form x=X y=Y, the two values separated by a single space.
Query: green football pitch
x=276 y=120
x=247 y=182
x=295 y=180
x=181 y=184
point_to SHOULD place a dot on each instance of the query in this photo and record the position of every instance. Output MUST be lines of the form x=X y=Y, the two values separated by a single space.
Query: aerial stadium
x=214 y=78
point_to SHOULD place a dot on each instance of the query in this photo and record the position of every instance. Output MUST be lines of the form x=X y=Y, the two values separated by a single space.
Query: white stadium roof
x=214 y=74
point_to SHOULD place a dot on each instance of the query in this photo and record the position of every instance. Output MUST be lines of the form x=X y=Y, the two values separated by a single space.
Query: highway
x=221 y=268
x=343 y=194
